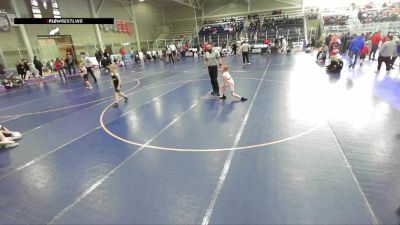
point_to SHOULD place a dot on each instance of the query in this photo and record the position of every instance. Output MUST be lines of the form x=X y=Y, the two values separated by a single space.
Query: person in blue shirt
x=354 y=50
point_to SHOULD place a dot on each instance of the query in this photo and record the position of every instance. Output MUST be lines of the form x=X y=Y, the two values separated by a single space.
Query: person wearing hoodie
x=354 y=50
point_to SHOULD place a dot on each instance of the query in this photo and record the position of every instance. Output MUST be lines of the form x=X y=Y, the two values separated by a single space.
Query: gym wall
x=224 y=8
x=148 y=18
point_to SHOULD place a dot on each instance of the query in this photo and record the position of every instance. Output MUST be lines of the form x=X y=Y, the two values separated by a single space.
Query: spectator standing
x=60 y=67
x=396 y=53
x=386 y=53
x=38 y=65
x=99 y=57
x=26 y=67
x=234 y=47
x=69 y=60
x=354 y=50
x=122 y=51
x=375 y=39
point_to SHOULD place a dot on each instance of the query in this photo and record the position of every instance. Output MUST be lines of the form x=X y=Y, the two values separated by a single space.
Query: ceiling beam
x=287 y=2
x=100 y=6
x=127 y=10
x=185 y=3
x=221 y=8
x=198 y=3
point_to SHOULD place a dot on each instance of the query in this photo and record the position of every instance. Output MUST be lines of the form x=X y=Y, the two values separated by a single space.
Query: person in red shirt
x=334 y=42
x=60 y=67
x=122 y=51
x=363 y=53
x=375 y=39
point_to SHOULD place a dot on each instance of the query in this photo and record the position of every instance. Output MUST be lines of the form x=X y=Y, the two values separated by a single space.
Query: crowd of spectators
x=231 y=26
x=361 y=46
x=274 y=23
x=336 y=20
x=371 y=14
x=312 y=14
x=253 y=24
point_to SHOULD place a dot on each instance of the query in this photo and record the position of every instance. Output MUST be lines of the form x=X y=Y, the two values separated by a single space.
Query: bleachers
x=290 y=27
x=374 y=14
x=179 y=29
x=258 y=27
x=219 y=31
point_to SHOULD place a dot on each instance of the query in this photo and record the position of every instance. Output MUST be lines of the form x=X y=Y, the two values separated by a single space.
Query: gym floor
x=306 y=148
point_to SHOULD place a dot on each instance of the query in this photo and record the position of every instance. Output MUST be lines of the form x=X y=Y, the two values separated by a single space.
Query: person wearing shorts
x=229 y=82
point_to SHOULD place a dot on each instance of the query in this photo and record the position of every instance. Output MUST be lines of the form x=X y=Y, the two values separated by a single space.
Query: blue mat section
x=331 y=159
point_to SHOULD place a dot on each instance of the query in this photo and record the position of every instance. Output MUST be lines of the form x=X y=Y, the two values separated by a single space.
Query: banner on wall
x=118 y=26
x=4 y=23
x=124 y=29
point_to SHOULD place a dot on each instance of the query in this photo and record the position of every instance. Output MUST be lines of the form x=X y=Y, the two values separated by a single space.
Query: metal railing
x=385 y=27
x=10 y=56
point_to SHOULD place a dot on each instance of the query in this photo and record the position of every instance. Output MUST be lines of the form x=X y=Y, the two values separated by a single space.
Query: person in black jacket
x=20 y=69
x=99 y=57
x=38 y=65
x=107 y=60
x=26 y=67
x=234 y=47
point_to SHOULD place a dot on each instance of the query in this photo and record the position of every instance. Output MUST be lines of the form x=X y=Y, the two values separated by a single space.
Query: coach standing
x=211 y=60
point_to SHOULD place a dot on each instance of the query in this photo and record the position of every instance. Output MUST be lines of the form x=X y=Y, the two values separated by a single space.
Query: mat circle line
x=247 y=147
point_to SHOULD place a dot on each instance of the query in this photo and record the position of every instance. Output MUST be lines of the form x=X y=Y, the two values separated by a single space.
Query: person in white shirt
x=172 y=46
x=88 y=64
x=229 y=82
x=169 y=54
x=284 y=45
x=245 y=49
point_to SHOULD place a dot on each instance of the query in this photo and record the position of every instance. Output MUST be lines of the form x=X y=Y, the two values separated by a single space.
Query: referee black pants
x=245 y=56
x=213 y=71
x=386 y=60
x=90 y=71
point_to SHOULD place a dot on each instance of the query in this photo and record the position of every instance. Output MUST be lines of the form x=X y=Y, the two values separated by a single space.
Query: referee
x=88 y=65
x=211 y=60
x=245 y=49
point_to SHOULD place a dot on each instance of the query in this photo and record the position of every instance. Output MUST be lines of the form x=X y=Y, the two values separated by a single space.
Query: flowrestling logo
x=64 y=20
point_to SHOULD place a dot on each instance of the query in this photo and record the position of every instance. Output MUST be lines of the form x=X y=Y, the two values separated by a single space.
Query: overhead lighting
x=141 y=0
